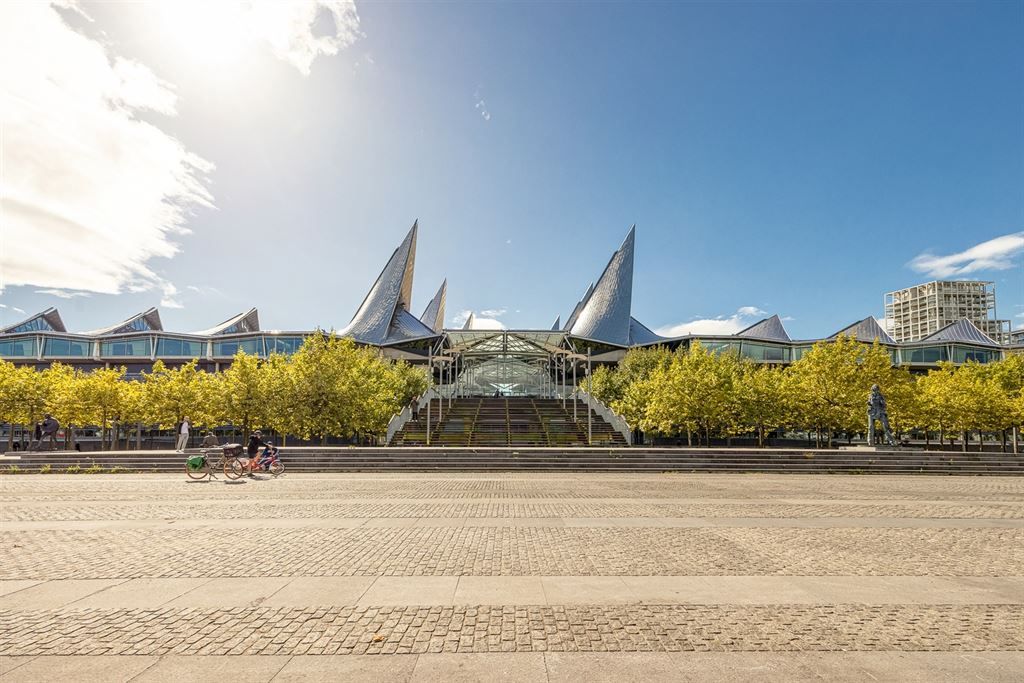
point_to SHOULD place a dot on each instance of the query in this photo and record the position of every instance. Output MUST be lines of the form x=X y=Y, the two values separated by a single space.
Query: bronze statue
x=877 y=411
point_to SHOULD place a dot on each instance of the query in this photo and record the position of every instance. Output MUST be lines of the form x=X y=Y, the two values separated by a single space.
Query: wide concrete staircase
x=516 y=422
x=506 y=459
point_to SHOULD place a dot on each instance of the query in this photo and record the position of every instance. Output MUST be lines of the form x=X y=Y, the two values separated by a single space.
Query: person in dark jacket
x=49 y=429
x=255 y=441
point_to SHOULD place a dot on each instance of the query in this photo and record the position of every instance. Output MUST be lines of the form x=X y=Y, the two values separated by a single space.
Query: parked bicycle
x=199 y=467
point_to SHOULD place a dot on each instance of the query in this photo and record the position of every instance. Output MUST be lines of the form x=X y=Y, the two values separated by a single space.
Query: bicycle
x=240 y=466
x=198 y=467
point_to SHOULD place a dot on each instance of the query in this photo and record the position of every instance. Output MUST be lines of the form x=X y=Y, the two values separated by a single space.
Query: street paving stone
x=463 y=577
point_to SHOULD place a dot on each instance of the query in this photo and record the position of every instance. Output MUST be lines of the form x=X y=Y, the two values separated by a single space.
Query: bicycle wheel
x=198 y=474
x=277 y=468
x=233 y=469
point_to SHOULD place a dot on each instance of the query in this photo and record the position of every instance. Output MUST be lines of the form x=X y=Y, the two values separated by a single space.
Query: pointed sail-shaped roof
x=44 y=321
x=243 y=322
x=640 y=334
x=866 y=330
x=557 y=325
x=571 y=320
x=769 y=328
x=391 y=293
x=469 y=321
x=433 y=315
x=146 y=321
x=962 y=331
x=606 y=314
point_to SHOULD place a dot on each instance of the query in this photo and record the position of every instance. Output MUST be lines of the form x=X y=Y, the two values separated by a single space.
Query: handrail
x=617 y=422
x=398 y=421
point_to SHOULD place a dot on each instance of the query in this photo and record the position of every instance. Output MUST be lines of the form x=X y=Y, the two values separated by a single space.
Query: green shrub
x=117 y=469
x=13 y=469
x=73 y=469
x=46 y=469
x=94 y=469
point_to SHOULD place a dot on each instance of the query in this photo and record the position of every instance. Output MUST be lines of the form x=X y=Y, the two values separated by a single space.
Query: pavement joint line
x=98 y=590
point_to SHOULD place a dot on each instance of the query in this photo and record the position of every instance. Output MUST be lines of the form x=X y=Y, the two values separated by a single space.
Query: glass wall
x=34 y=325
x=18 y=348
x=139 y=346
x=964 y=354
x=720 y=346
x=180 y=348
x=67 y=347
x=925 y=354
x=285 y=345
x=765 y=352
x=230 y=347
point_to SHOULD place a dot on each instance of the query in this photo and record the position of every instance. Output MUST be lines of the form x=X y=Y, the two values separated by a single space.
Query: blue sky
x=795 y=158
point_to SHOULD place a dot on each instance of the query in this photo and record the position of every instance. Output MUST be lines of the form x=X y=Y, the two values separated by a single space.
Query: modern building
x=600 y=328
x=916 y=312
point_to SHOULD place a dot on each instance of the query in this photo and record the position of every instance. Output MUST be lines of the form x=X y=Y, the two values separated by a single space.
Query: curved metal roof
x=433 y=315
x=49 y=320
x=961 y=331
x=605 y=316
x=866 y=330
x=243 y=322
x=769 y=328
x=147 y=321
x=390 y=293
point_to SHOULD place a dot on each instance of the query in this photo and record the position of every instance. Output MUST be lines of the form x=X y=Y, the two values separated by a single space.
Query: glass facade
x=35 y=325
x=964 y=354
x=229 y=347
x=765 y=352
x=720 y=346
x=925 y=354
x=283 y=345
x=56 y=347
x=167 y=347
x=139 y=346
x=18 y=348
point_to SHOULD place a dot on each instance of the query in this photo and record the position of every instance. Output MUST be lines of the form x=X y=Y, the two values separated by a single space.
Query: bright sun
x=214 y=33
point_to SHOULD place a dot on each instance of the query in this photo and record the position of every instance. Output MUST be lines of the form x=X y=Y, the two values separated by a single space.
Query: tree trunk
x=1015 y=440
x=964 y=447
x=1002 y=439
x=10 y=439
x=830 y=438
x=323 y=439
x=760 y=436
x=115 y=441
x=138 y=436
x=927 y=439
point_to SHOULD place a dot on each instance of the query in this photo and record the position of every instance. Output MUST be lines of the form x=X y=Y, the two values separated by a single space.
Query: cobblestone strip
x=389 y=630
x=13 y=512
x=513 y=551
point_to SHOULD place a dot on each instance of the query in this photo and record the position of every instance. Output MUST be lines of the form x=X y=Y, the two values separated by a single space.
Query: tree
x=174 y=394
x=103 y=394
x=67 y=399
x=242 y=392
x=763 y=399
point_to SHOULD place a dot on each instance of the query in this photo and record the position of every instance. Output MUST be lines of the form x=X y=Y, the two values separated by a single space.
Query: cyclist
x=253 y=449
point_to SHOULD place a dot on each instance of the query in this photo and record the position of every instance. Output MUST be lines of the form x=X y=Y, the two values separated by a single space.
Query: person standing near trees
x=183 y=434
x=49 y=431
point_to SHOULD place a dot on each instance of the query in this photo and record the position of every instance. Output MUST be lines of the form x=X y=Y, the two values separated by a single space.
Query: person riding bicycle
x=267 y=456
x=255 y=441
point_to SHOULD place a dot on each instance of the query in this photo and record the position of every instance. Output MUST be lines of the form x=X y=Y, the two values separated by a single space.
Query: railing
x=399 y=420
x=617 y=422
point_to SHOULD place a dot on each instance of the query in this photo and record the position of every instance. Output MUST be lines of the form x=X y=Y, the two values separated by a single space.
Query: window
x=229 y=347
x=18 y=348
x=181 y=348
x=719 y=346
x=926 y=354
x=964 y=354
x=34 y=325
x=284 y=345
x=765 y=352
x=125 y=347
x=67 y=347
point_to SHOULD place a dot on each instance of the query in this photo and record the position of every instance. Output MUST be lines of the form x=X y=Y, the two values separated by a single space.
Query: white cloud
x=745 y=316
x=168 y=300
x=487 y=319
x=481 y=106
x=289 y=28
x=13 y=308
x=91 y=192
x=995 y=254
x=62 y=293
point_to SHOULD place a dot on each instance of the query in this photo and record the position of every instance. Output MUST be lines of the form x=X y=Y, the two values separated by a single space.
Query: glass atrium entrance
x=504 y=363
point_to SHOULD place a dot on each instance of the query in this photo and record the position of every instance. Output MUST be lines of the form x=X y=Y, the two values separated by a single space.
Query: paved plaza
x=549 y=577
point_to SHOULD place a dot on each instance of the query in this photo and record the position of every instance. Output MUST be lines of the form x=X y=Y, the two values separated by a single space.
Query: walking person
x=183 y=434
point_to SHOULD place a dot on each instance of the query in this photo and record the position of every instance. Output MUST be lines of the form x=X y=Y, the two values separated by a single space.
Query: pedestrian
x=37 y=437
x=210 y=440
x=49 y=430
x=183 y=430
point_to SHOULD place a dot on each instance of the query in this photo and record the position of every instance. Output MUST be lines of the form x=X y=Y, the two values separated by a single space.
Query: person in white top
x=183 y=435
